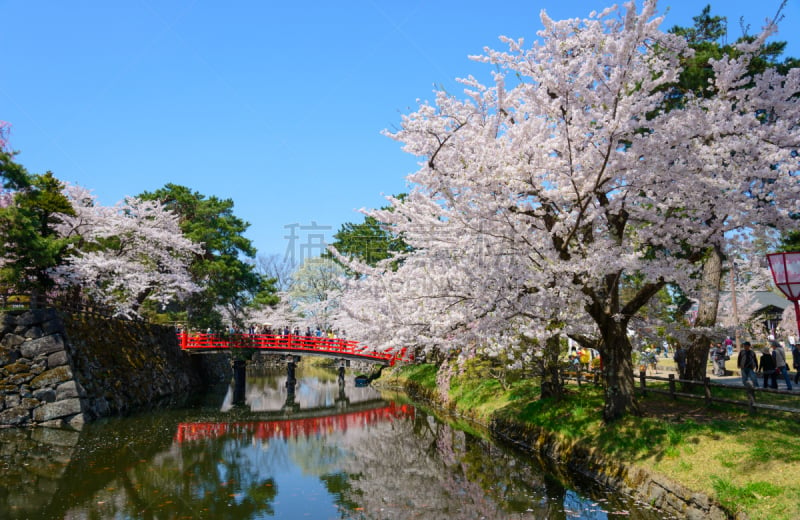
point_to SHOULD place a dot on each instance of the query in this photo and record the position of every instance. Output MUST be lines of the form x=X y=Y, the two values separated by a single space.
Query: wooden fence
x=708 y=394
x=67 y=301
x=707 y=385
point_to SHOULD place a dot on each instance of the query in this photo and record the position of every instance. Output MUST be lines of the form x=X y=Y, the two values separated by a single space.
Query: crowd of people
x=286 y=330
x=764 y=368
x=772 y=363
x=585 y=363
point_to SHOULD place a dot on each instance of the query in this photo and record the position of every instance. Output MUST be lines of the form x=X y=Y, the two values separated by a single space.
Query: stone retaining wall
x=64 y=369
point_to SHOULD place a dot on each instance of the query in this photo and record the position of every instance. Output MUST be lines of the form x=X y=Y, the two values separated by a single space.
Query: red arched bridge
x=291 y=344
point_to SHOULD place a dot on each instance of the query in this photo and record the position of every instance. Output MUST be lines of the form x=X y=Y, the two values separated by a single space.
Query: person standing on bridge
x=747 y=364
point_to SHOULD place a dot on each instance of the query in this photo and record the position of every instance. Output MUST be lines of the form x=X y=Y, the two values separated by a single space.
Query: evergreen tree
x=369 y=242
x=30 y=246
x=227 y=280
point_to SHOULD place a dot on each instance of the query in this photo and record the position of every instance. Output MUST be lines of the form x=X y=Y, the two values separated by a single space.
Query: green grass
x=747 y=462
x=748 y=496
x=480 y=397
x=423 y=375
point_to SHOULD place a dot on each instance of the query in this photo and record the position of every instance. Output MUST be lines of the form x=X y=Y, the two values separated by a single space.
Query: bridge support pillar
x=291 y=379
x=239 y=380
x=291 y=366
x=342 y=400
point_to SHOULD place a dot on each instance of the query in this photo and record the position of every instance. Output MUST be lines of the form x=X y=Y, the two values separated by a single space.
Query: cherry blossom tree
x=540 y=195
x=707 y=38
x=282 y=314
x=127 y=254
x=315 y=291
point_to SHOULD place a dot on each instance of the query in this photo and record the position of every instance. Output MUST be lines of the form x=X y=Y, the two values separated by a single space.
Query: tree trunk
x=620 y=398
x=551 y=380
x=700 y=339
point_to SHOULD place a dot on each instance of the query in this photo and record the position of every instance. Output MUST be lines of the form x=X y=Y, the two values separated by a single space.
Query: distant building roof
x=768 y=299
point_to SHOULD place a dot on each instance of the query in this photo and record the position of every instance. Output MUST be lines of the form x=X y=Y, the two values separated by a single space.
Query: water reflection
x=316 y=389
x=310 y=424
x=32 y=465
x=366 y=459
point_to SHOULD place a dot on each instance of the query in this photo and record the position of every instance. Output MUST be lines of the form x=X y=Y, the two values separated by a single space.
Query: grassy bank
x=748 y=463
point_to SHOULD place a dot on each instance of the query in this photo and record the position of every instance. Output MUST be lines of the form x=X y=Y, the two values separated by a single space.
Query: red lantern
x=785 y=269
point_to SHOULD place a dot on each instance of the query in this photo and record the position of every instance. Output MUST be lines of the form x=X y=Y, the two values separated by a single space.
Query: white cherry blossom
x=539 y=195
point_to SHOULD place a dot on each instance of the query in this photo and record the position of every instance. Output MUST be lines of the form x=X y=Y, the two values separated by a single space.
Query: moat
x=326 y=451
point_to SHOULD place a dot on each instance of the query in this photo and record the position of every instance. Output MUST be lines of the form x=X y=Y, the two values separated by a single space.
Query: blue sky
x=276 y=105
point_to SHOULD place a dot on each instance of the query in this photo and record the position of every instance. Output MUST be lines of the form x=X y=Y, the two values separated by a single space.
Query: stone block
x=57 y=410
x=12 y=341
x=52 y=326
x=8 y=356
x=21 y=366
x=67 y=390
x=17 y=416
x=34 y=332
x=57 y=359
x=44 y=345
x=52 y=377
x=45 y=395
x=30 y=403
x=7 y=321
x=19 y=379
x=36 y=316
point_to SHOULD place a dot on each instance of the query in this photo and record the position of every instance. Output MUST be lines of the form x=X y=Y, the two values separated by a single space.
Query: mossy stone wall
x=60 y=369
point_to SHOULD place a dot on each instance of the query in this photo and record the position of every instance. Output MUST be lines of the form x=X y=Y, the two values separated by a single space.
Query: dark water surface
x=326 y=452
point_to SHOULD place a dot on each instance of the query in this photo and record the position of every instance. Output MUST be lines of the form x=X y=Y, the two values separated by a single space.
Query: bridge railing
x=287 y=342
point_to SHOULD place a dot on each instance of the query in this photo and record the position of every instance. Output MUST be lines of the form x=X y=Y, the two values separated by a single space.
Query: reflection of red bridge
x=290 y=344
x=292 y=428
